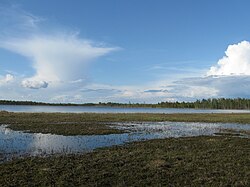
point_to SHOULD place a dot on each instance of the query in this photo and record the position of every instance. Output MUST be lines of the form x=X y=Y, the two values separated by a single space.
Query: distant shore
x=218 y=103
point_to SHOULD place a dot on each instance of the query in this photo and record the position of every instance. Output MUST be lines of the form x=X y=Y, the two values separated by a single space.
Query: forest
x=213 y=103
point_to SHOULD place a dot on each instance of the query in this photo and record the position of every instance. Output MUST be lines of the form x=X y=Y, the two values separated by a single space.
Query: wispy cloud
x=14 y=21
x=6 y=79
x=222 y=86
x=155 y=91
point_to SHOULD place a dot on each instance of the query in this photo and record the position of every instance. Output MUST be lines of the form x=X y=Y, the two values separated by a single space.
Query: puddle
x=19 y=144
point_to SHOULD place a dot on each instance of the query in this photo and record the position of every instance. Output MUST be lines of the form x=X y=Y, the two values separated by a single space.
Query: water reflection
x=181 y=129
x=16 y=143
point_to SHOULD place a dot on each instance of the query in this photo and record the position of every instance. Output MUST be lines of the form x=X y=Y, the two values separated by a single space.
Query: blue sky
x=121 y=51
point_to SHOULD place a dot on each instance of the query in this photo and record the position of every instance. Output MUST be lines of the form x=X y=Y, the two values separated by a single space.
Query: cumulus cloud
x=34 y=84
x=235 y=62
x=56 y=55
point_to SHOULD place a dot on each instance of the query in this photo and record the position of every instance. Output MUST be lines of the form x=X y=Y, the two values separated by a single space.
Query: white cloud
x=6 y=79
x=15 y=21
x=235 y=62
x=9 y=77
x=34 y=84
x=57 y=58
x=218 y=86
x=56 y=55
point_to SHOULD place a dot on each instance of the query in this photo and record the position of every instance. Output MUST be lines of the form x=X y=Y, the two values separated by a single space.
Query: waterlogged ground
x=99 y=124
x=189 y=161
x=219 y=159
x=19 y=144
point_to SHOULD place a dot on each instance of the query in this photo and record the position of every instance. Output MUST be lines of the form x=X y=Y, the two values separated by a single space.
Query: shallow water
x=80 y=109
x=18 y=144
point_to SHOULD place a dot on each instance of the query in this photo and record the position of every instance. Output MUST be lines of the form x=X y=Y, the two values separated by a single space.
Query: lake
x=19 y=144
x=93 y=109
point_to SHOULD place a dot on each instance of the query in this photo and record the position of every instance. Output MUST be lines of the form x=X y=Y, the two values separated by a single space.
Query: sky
x=141 y=51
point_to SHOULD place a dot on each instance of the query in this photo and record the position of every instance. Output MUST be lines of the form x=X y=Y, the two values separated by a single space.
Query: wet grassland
x=199 y=161
x=188 y=161
x=96 y=123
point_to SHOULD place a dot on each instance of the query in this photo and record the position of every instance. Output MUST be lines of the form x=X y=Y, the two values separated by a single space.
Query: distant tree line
x=219 y=103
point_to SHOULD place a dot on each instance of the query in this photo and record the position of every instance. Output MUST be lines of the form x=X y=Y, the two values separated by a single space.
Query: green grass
x=94 y=123
x=198 y=161
x=56 y=123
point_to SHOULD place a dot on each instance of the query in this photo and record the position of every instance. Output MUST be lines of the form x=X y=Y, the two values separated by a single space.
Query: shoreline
x=121 y=106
